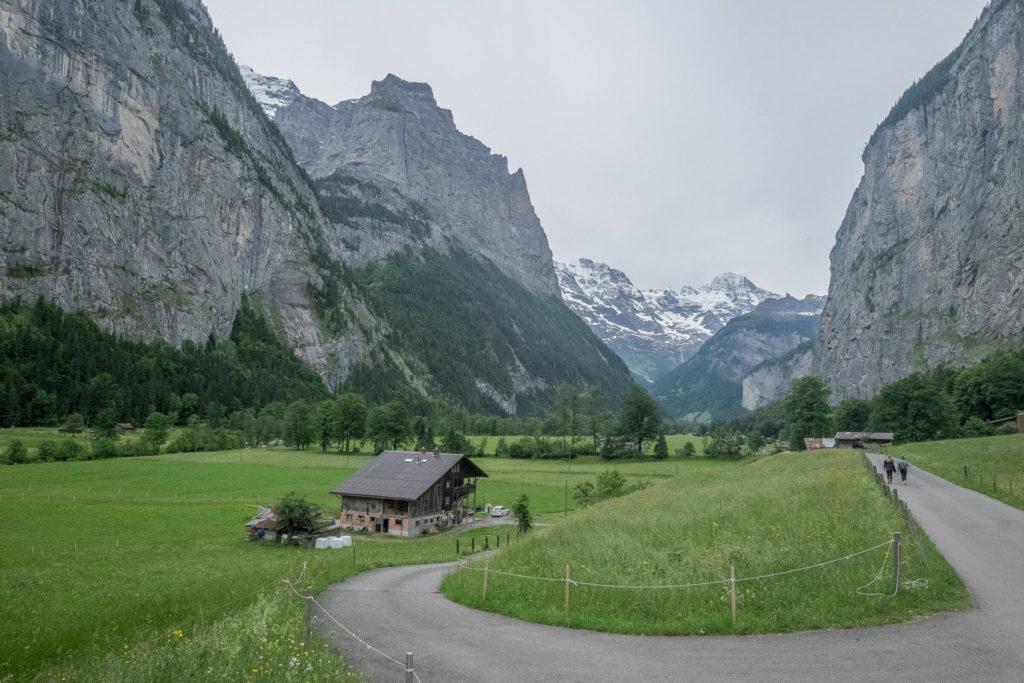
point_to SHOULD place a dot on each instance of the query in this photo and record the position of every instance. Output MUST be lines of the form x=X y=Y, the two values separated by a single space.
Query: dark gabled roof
x=403 y=475
x=849 y=436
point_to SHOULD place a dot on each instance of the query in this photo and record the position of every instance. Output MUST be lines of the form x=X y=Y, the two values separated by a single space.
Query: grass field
x=136 y=568
x=103 y=554
x=995 y=464
x=674 y=441
x=772 y=515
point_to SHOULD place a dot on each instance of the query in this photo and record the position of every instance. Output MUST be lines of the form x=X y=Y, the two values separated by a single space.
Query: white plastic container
x=346 y=541
x=334 y=542
x=321 y=544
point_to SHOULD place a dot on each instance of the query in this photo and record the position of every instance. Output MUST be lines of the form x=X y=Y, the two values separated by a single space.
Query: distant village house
x=405 y=493
x=862 y=439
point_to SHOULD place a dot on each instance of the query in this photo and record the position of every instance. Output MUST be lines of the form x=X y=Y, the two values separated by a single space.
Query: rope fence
x=675 y=585
x=311 y=601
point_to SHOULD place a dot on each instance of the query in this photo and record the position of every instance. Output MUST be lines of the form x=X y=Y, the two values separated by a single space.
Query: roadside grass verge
x=779 y=513
x=995 y=464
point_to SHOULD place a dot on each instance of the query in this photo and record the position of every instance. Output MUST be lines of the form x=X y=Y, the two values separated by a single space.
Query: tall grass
x=776 y=514
x=995 y=464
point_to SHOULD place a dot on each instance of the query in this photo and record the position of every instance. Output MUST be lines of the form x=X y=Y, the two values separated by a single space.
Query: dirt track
x=399 y=610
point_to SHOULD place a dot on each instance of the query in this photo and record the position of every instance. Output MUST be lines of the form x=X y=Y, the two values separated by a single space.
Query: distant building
x=862 y=439
x=405 y=493
x=125 y=428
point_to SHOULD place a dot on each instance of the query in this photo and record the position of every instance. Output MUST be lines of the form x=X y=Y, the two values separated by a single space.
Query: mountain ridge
x=653 y=330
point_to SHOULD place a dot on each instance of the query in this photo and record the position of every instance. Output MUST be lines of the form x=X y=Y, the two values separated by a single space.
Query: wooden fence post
x=487 y=566
x=994 y=487
x=472 y=543
x=409 y=675
x=732 y=581
x=896 y=541
x=309 y=620
x=566 y=591
x=966 y=476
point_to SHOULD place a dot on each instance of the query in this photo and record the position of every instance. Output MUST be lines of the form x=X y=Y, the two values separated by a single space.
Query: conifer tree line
x=59 y=368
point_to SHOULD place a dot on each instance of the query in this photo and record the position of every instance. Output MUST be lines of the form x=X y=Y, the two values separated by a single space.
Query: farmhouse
x=405 y=493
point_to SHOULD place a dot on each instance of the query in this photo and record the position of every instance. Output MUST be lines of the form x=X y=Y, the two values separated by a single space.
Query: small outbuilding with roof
x=405 y=493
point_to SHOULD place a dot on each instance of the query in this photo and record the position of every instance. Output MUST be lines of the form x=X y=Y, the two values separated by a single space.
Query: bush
x=103 y=448
x=298 y=515
x=49 y=451
x=975 y=426
x=72 y=450
x=16 y=453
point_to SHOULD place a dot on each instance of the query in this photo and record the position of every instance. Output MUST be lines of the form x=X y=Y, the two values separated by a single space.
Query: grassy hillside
x=772 y=515
x=995 y=464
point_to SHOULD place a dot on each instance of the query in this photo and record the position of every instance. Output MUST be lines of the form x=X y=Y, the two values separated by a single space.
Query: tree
x=914 y=409
x=521 y=511
x=689 y=449
x=568 y=400
x=298 y=515
x=388 y=424
x=975 y=426
x=755 y=442
x=640 y=418
x=991 y=389
x=852 y=415
x=104 y=426
x=661 y=448
x=350 y=418
x=596 y=413
x=75 y=424
x=583 y=494
x=155 y=431
x=323 y=423
x=807 y=413
x=610 y=484
x=298 y=424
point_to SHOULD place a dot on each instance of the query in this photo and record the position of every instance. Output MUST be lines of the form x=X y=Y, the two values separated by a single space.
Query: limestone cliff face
x=140 y=181
x=770 y=380
x=927 y=265
x=397 y=150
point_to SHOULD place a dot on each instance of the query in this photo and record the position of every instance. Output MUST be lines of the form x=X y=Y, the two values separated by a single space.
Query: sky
x=673 y=140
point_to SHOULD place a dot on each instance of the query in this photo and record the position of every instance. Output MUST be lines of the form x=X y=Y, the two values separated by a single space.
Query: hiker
x=889 y=466
x=903 y=466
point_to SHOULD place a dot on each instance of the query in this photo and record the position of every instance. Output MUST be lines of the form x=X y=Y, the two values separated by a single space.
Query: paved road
x=399 y=610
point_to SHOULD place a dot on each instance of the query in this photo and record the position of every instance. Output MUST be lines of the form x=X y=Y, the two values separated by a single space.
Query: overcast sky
x=672 y=140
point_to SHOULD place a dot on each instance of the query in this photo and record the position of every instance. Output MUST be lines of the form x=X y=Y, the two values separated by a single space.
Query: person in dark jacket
x=889 y=466
x=903 y=466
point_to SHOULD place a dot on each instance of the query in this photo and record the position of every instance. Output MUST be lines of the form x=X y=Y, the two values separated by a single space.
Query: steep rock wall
x=927 y=265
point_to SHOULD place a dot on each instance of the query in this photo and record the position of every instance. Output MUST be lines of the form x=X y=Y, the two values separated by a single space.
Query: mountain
x=653 y=331
x=143 y=183
x=395 y=173
x=928 y=265
x=710 y=385
x=444 y=244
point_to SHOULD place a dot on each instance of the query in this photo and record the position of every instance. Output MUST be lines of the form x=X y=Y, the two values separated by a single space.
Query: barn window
x=361 y=518
x=348 y=515
x=398 y=523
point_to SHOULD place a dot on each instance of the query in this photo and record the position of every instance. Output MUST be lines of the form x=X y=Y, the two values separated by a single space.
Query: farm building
x=404 y=493
x=862 y=439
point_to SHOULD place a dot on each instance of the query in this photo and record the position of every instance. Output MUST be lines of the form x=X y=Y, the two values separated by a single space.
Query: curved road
x=399 y=610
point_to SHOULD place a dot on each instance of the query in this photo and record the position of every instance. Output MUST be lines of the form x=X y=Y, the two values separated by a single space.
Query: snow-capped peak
x=272 y=93
x=653 y=330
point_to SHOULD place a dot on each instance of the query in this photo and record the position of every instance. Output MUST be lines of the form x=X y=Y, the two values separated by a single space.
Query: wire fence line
x=562 y=579
x=313 y=601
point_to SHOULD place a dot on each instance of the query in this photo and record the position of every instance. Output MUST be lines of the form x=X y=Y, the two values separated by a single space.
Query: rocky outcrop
x=928 y=265
x=402 y=175
x=710 y=385
x=139 y=181
x=653 y=331
x=770 y=380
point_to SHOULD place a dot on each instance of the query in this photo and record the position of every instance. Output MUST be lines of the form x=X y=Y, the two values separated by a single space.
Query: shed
x=862 y=439
x=405 y=493
x=126 y=427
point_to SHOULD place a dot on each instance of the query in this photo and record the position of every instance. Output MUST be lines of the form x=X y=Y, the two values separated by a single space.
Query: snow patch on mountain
x=653 y=330
x=271 y=93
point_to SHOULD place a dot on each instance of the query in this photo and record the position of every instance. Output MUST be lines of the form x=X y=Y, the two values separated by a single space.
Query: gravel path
x=399 y=610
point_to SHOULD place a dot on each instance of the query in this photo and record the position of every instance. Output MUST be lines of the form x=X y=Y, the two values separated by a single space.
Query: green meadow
x=137 y=568
x=776 y=514
x=995 y=464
